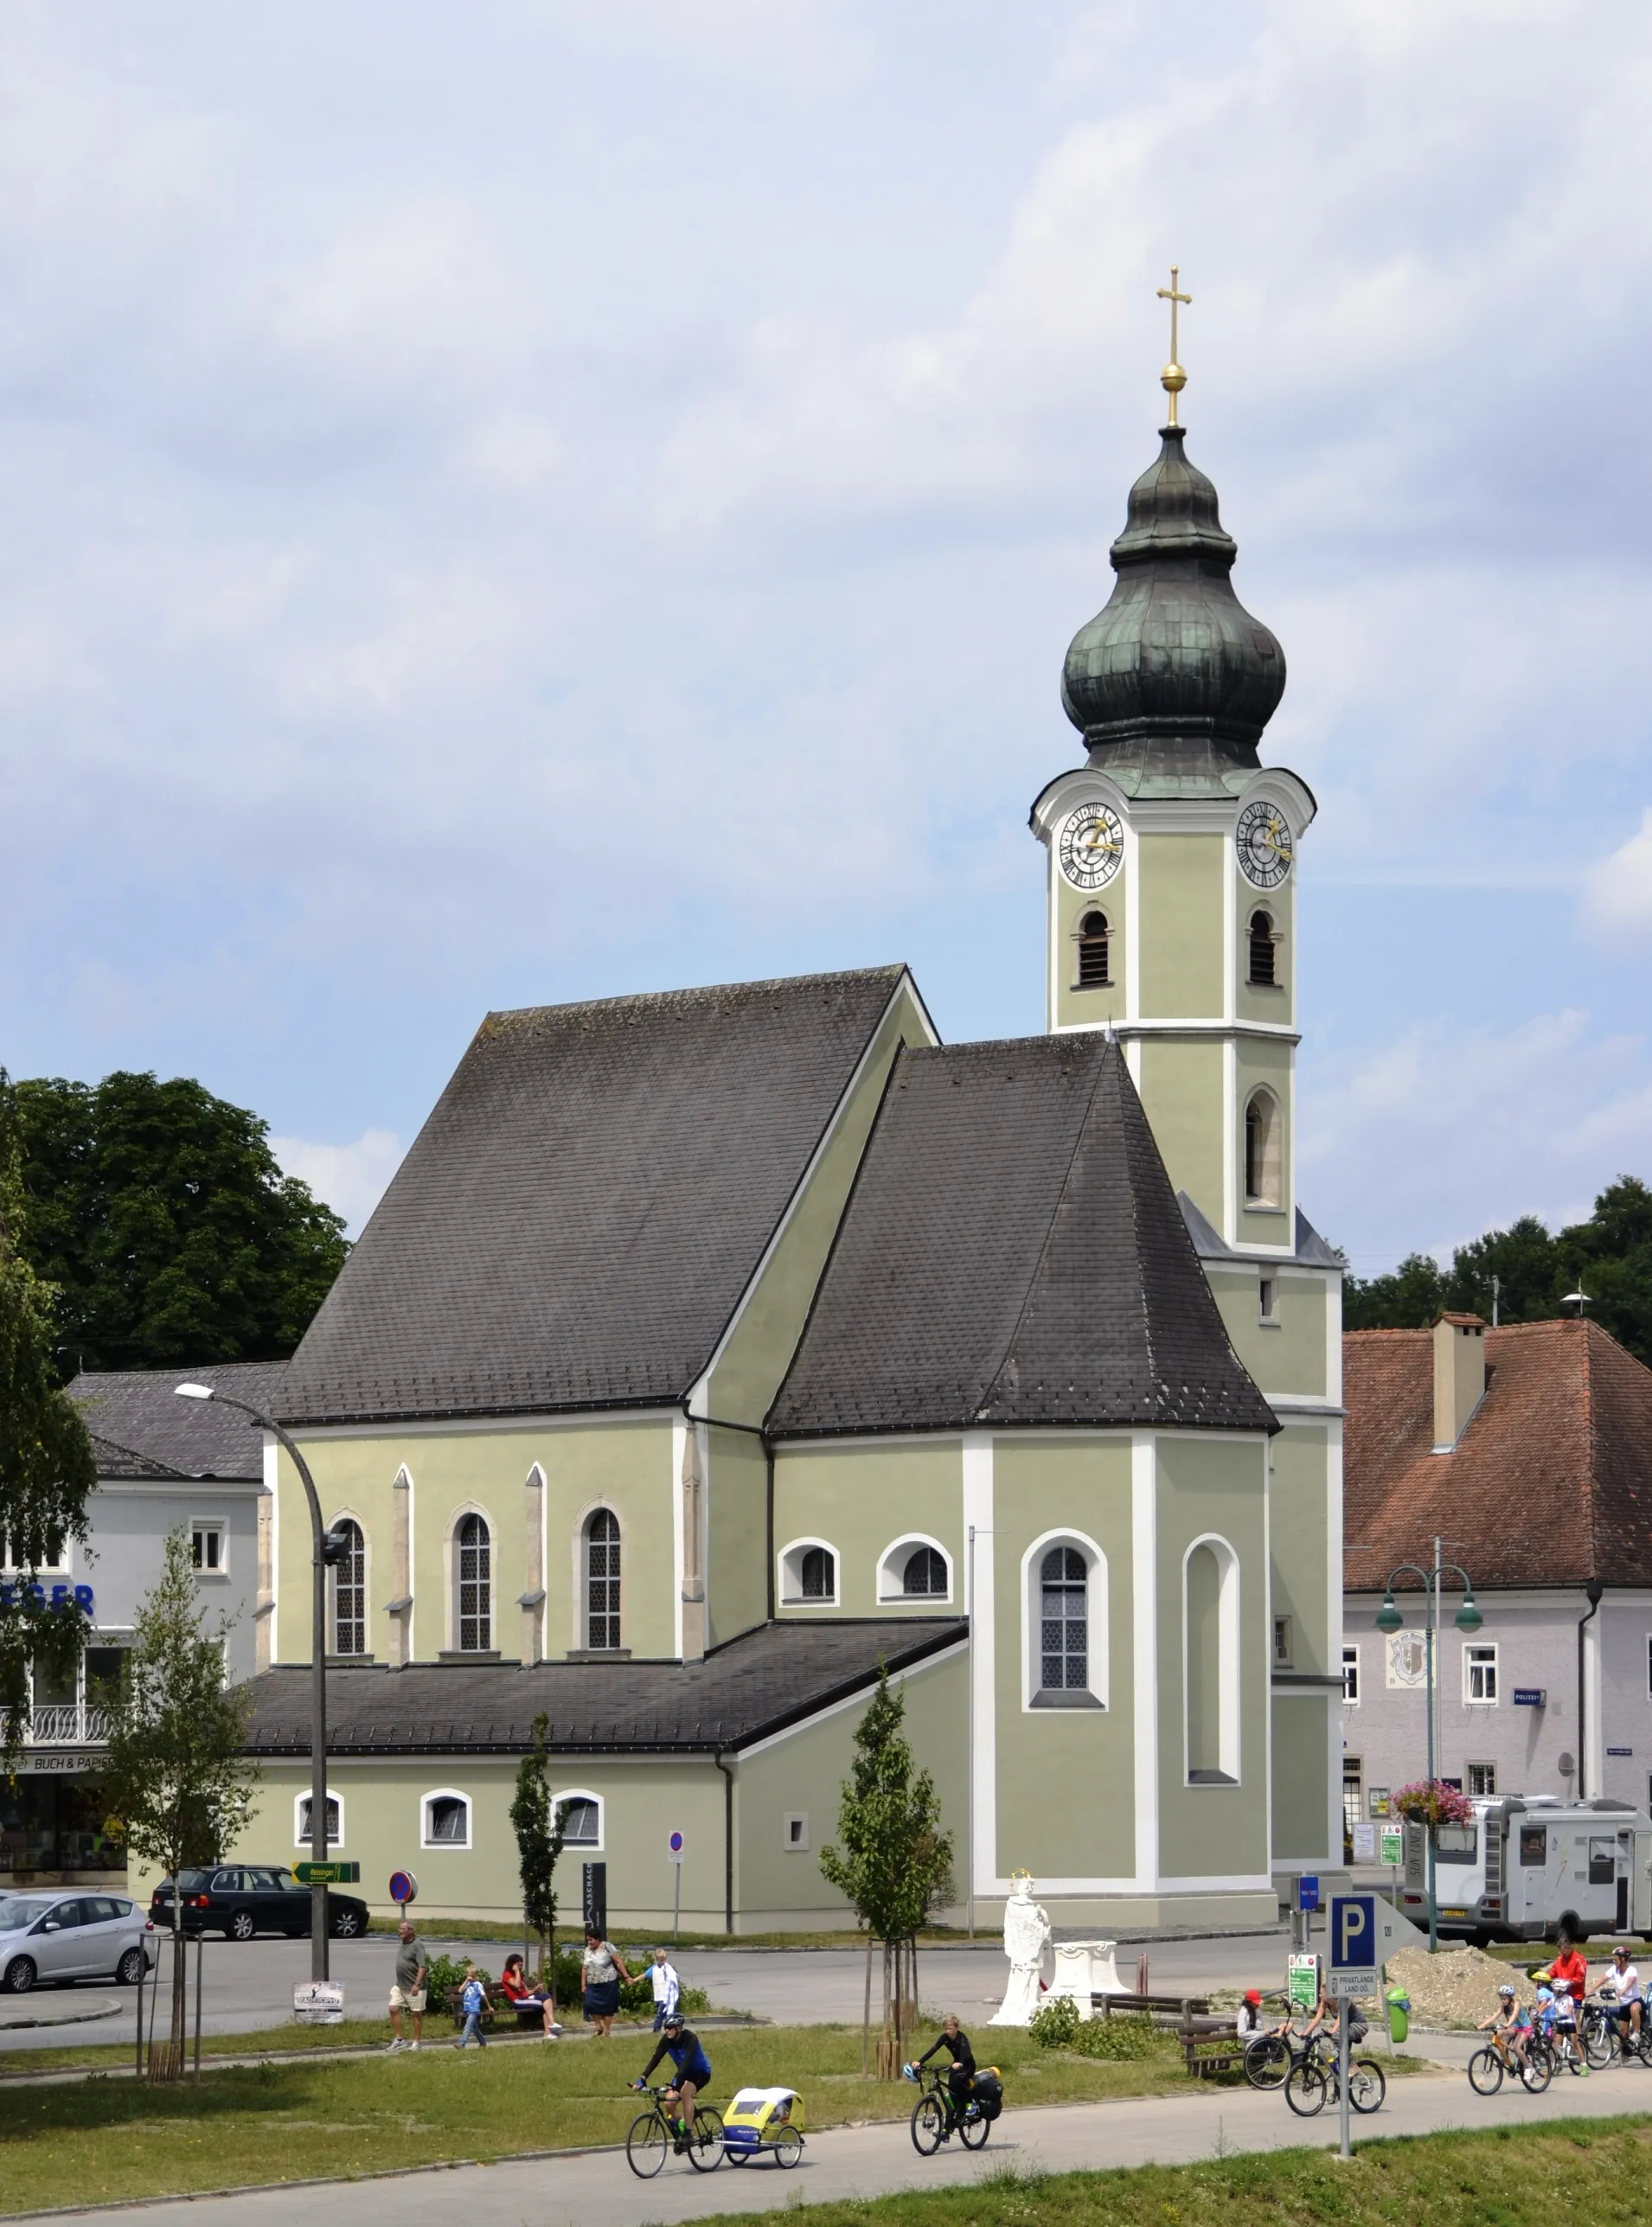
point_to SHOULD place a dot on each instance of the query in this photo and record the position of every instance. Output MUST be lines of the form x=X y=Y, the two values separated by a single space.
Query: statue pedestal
x=1083 y=1969
x=1021 y=1997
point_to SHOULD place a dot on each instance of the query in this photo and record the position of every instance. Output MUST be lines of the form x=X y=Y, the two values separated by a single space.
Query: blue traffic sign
x=1308 y=1891
x=1355 y=1947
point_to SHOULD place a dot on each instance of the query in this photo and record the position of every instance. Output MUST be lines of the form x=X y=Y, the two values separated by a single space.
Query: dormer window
x=1263 y=946
x=1094 y=959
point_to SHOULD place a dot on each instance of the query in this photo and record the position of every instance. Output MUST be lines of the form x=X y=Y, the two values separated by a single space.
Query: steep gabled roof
x=140 y=1428
x=1013 y=1253
x=1550 y=1483
x=580 y=1215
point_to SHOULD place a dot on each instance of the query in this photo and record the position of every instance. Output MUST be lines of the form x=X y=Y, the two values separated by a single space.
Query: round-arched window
x=925 y=1574
x=1064 y=1621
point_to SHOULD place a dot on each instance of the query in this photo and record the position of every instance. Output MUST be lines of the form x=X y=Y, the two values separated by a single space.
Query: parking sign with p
x=1355 y=1949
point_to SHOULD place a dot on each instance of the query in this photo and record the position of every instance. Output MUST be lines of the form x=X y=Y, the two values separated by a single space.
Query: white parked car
x=59 y=1938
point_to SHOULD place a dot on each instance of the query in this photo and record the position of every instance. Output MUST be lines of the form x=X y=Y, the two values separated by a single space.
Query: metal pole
x=969 y=1788
x=1342 y=2061
x=200 y=1944
x=677 y=1902
x=1429 y=1598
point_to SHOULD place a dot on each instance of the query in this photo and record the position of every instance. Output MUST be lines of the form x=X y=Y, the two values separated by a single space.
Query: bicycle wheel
x=1306 y=2088
x=1267 y=2061
x=646 y=2145
x=1601 y=2046
x=1485 y=2072
x=1367 y=2084
x=1537 y=2070
x=928 y=2125
x=974 y=2127
x=705 y=2142
x=788 y=2148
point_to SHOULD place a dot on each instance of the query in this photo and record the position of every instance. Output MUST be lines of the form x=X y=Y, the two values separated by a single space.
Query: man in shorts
x=408 y=1992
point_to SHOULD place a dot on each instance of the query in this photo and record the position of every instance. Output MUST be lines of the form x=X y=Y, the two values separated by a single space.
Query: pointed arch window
x=1263 y=966
x=1095 y=952
x=475 y=1544
x=1262 y=1153
x=602 y=1579
x=349 y=1589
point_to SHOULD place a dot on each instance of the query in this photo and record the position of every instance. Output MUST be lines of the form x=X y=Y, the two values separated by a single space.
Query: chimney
x=1459 y=1376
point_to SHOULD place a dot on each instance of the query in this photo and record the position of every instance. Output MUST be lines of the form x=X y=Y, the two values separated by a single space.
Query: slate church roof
x=578 y=1219
x=140 y=1428
x=1013 y=1253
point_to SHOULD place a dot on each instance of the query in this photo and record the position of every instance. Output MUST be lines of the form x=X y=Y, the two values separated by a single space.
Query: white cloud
x=351 y=1178
x=1617 y=898
x=1426 y=1142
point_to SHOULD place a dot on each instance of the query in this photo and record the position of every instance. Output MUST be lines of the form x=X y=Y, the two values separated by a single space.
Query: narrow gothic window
x=476 y=1587
x=1064 y=1623
x=1262 y=950
x=1262 y=1150
x=819 y=1574
x=924 y=1573
x=602 y=1579
x=349 y=1591
x=1094 y=966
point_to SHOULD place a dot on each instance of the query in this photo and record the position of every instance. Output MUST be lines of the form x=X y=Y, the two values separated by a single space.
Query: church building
x=713 y=1348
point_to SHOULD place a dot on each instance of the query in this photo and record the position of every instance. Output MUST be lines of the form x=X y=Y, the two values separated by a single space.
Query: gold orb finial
x=1173 y=378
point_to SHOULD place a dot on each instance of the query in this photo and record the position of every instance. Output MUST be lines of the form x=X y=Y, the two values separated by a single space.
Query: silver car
x=60 y=1938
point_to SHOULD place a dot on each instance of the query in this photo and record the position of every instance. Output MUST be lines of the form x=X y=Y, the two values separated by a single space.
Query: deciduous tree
x=539 y=1843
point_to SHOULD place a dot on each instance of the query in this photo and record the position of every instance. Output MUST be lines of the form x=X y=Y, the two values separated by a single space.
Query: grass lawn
x=1529 y=2176
x=112 y=2140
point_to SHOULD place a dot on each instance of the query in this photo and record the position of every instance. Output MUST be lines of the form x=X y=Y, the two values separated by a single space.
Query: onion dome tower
x=1173 y=683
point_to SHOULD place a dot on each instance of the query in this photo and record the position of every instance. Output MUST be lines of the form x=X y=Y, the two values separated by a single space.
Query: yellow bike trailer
x=764 y=2123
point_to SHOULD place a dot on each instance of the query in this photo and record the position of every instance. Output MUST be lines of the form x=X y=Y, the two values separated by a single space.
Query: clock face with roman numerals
x=1264 y=843
x=1091 y=846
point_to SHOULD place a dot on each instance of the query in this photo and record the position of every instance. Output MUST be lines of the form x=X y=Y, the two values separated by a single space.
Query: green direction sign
x=327 y=1875
x=1393 y=1847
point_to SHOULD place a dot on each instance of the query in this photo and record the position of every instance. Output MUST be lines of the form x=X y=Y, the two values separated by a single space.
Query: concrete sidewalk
x=598 y=2188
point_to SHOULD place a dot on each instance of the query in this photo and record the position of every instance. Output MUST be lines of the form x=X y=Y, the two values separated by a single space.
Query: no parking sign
x=674 y=1848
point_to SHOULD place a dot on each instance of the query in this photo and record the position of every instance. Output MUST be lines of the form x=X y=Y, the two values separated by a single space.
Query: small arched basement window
x=1095 y=947
x=818 y=1571
x=1263 y=966
x=1262 y=1150
x=924 y=1573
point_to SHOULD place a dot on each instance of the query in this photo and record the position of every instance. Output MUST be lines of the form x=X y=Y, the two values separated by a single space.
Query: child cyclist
x=691 y=2065
x=1508 y=2026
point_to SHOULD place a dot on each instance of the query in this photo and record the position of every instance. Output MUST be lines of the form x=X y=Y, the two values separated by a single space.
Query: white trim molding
x=300 y=1822
x=1144 y=1623
x=446 y=1794
x=1228 y=1663
x=891 y=1593
x=980 y=1863
x=788 y=1575
x=584 y=1793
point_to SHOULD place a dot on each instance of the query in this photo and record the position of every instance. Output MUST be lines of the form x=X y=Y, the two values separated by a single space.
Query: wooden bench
x=1210 y=2046
x=1177 y=2007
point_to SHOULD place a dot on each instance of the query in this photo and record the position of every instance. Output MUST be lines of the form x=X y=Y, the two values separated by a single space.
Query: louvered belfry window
x=350 y=1592
x=1065 y=1621
x=476 y=1587
x=1095 y=964
x=1262 y=962
x=602 y=1579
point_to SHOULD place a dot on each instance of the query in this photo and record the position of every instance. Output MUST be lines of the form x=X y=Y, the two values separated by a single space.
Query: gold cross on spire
x=1173 y=378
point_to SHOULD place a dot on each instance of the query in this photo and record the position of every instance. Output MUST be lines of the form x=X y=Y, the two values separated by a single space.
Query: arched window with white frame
x=581 y=1814
x=335 y=1820
x=1095 y=952
x=348 y=1578
x=445 y=1818
x=1210 y=1653
x=1263 y=1155
x=1064 y=1578
x=808 y=1574
x=916 y=1569
x=473 y=1575
x=602 y=1598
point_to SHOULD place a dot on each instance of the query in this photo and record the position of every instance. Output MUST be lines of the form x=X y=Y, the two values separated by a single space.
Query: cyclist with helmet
x=1625 y=1983
x=689 y=2063
x=1509 y=2025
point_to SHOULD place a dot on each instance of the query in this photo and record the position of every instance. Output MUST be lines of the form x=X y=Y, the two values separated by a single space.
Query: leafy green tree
x=165 y=1221
x=1408 y=1299
x=895 y=1865
x=47 y=1469
x=177 y=1779
x=539 y=1843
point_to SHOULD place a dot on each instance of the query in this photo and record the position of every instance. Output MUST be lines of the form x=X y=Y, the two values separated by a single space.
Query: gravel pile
x=1456 y=1987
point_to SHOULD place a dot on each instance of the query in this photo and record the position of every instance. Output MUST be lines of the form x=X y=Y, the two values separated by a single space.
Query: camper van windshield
x=1456 y=1844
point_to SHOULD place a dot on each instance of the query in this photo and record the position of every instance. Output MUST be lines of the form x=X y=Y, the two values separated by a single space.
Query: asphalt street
x=598 y=2189
x=249 y=1983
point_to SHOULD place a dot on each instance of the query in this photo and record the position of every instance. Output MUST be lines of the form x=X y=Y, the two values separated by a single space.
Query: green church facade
x=711 y=1349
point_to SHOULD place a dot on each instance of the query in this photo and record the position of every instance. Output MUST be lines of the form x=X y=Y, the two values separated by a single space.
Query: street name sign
x=327 y=1875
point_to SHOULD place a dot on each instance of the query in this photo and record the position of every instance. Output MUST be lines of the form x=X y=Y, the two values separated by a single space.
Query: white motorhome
x=1532 y=1865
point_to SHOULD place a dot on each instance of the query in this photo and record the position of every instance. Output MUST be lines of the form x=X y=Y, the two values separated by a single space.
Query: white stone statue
x=1027 y=1936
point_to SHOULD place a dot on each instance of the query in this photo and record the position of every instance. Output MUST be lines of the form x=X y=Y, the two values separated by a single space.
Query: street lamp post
x=1467 y=1619
x=327 y=1551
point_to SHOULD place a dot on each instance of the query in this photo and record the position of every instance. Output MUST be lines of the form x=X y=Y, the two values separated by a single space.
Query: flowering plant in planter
x=1431 y=1801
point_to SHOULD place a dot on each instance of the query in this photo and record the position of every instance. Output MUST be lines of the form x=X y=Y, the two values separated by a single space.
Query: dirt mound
x=1455 y=1987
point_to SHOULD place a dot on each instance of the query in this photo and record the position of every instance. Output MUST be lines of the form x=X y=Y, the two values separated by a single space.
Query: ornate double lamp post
x=329 y=1548
x=1467 y=1619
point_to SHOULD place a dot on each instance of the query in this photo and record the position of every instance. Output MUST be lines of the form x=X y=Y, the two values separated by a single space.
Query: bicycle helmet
x=1507 y=1988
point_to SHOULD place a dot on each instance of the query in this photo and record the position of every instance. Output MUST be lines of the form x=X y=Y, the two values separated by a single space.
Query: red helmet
x=1254 y=1997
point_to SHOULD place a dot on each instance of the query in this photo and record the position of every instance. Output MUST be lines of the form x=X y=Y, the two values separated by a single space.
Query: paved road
x=247 y=1985
x=599 y=2190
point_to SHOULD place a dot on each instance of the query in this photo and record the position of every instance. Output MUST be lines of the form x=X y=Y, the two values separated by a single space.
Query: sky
x=539 y=499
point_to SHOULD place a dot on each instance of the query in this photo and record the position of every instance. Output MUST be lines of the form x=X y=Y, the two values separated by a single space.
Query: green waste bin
x=1398 y=2004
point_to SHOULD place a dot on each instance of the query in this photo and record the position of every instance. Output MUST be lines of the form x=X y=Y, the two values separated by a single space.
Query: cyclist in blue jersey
x=691 y=2064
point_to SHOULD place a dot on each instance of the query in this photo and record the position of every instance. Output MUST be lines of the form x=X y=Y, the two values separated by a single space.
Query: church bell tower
x=1172 y=851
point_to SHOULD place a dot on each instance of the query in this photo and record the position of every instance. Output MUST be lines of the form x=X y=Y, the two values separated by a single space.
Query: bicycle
x=653 y=2137
x=934 y=2120
x=1533 y=2069
x=1314 y=2079
x=1269 y=2057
